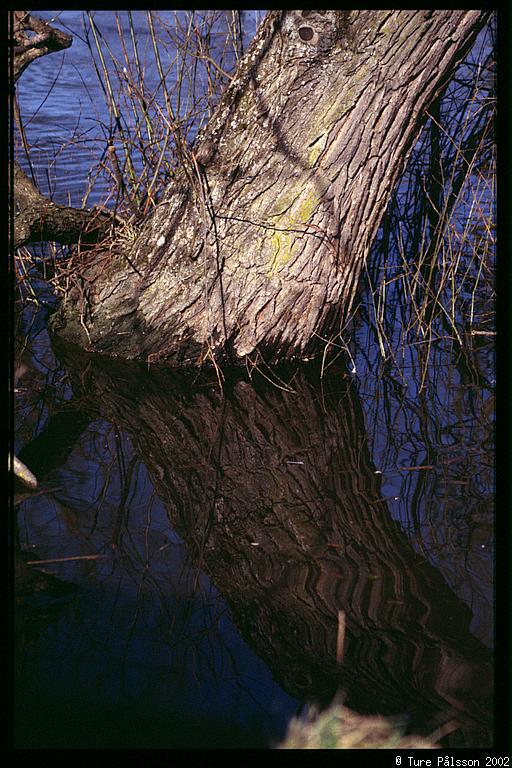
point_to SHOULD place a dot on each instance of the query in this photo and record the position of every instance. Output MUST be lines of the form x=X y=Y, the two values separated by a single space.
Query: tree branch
x=37 y=219
x=27 y=47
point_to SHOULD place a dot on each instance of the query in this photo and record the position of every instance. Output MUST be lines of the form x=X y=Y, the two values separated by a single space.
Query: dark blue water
x=196 y=544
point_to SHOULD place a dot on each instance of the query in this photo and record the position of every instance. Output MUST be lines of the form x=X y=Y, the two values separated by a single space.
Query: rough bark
x=36 y=218
x=293 y=175
x=277 y=499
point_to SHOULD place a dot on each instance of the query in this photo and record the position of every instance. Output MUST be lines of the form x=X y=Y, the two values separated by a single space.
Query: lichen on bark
x=294 y=171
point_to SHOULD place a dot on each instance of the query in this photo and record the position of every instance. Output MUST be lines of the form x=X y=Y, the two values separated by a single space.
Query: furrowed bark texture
x=293 y=175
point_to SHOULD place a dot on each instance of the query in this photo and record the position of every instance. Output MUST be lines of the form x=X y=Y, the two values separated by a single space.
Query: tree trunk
x=26 y=48
x=258 y=248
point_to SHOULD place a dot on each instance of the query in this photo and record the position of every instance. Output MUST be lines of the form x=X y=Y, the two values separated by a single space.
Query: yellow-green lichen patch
x=283 y=202
x=289 y=227
x=281 y=251
x=317 y=149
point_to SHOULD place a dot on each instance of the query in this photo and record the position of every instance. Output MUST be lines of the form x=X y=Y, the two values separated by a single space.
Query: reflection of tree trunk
x=53 y=445
x=275 y=494
x=66 y=421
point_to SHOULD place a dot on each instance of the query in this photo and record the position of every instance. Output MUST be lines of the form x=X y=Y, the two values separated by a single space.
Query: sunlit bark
x=262 y=252
x=31 y=39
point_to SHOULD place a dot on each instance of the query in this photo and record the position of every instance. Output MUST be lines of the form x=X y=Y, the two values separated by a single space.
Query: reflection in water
x=274 y=495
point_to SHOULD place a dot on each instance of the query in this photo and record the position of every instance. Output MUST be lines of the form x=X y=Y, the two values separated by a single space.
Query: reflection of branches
x=39 y=389
x=449 y=428
x=429 y=313
x=109 y=500
x=271 y=479
x=286 y=470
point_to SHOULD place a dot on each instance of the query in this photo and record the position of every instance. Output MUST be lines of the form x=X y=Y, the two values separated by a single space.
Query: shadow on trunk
x=257 y=246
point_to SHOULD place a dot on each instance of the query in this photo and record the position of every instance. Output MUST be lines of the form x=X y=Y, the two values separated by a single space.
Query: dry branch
x=28 y=47
x=36 y=217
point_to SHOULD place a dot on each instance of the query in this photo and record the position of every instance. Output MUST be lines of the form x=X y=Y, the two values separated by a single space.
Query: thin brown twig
x=340 y=641
x=65 y=559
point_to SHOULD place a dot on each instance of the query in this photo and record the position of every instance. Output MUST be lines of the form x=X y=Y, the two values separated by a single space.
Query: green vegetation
x=340 y=728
